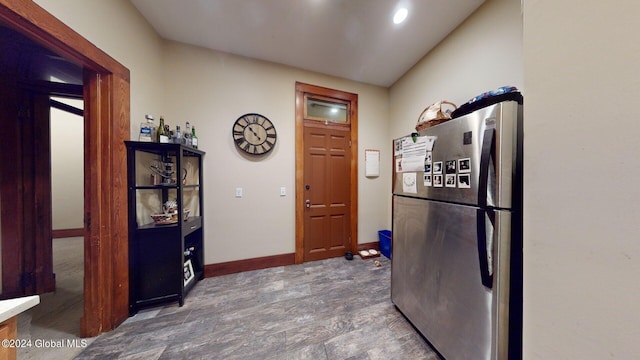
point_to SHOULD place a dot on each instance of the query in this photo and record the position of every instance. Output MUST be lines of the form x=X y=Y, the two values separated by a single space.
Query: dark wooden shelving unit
x=159 y=254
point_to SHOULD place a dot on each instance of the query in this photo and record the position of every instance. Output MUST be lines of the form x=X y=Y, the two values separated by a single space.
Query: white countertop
x=12 y=307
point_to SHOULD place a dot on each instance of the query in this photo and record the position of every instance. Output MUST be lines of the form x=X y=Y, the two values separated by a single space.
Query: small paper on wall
x=372 y=162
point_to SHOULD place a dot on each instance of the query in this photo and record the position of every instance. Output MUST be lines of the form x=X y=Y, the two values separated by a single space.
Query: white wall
x=211 y=90
x=67 y=164
x=582 y=204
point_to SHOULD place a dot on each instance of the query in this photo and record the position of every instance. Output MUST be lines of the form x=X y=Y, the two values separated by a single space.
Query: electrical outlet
x=283 y=191
x=238 y=192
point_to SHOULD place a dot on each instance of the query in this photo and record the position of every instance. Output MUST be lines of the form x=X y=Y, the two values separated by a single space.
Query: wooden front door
x=326 y=168
x=327 y=198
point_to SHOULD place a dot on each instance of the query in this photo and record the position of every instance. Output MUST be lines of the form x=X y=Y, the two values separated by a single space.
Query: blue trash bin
x=385 y=242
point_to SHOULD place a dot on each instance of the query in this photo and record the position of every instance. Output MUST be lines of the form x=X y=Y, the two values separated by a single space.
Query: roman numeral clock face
x=254 y=134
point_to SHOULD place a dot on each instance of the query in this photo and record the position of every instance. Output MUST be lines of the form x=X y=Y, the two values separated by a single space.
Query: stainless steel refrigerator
x=456 y=271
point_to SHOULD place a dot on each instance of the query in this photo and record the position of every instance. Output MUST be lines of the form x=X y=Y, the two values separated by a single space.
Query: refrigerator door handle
x=485 y=255
x=485 y=158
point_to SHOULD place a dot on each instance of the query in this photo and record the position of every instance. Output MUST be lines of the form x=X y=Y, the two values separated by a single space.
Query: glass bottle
x=162 y=133
x=147 y=130
x=194 y=138
x=177 y=136
x=187 y=134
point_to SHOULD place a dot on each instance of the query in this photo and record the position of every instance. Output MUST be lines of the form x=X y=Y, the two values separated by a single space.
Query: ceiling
x=352 y=39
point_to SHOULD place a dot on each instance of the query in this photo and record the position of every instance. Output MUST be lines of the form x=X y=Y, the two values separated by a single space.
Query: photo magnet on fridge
x=427 y=180
x=450 y=167
x=464 y=165
x=437 y=180
x=437 y=167
x=464 y=181
x=450 y=180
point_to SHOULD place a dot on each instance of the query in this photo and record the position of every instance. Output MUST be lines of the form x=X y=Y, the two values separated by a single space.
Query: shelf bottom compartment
x=147 y=303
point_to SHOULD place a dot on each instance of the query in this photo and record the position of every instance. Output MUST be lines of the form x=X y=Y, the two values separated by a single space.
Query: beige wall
x=116 y=27
x=484 y=53
x=582 y=248
x=211 y=90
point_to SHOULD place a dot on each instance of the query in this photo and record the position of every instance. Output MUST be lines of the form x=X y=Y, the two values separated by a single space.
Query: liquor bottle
x=194 y=138
x=177 y=136
x=162 y=133
x=147 y=130
x=187 y=134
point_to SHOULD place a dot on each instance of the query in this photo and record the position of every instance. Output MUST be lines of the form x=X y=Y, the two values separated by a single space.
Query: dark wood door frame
x=107 y=119
x=301 y=90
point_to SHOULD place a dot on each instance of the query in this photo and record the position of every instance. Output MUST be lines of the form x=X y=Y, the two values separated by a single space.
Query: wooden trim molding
x=233 y=267
x=65 y=233
x=107 y=122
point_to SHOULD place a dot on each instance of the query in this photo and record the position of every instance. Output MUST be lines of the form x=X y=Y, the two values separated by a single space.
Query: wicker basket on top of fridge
x=435 y=114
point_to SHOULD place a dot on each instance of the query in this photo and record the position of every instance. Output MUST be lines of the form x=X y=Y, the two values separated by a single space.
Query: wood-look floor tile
x=330 y=309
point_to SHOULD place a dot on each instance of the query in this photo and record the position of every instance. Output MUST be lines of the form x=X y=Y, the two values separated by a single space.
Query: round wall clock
x=254 y=134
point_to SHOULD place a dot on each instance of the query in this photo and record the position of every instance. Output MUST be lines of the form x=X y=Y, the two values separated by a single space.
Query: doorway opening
x=67 y=190
x=326 y=172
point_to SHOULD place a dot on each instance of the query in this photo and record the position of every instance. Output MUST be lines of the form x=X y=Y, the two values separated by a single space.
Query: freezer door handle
x=485 y=158
x=485 y=254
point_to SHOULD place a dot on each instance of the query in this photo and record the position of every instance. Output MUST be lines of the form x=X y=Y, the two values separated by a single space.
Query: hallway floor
x=57 y=317
x=329 y=309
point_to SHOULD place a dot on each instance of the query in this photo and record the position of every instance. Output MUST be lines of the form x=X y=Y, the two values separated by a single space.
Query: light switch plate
x=239 y=192
x=283 y=191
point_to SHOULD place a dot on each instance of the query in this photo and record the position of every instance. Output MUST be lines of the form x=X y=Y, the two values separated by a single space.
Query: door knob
x=307 y=203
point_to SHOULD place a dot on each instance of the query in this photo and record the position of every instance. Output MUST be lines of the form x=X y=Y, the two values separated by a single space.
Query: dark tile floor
x=330 y=309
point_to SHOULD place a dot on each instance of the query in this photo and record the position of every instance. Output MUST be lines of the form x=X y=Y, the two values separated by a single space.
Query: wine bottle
x=162 y=134
x=194 y=138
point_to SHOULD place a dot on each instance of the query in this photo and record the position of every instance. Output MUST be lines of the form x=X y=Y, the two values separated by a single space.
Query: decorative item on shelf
x=170 y=214
x=184 y=176
x=185 y=214
x=163 y=219
x=170 y=207
x=435 y=114
x=189 y=251
x=163 y=171
x=188 y=272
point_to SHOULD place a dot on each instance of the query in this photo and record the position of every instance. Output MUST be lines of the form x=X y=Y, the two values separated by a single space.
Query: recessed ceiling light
x=400 y=16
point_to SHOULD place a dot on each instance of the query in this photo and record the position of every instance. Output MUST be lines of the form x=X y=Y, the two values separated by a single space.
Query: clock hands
x=254 y=133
